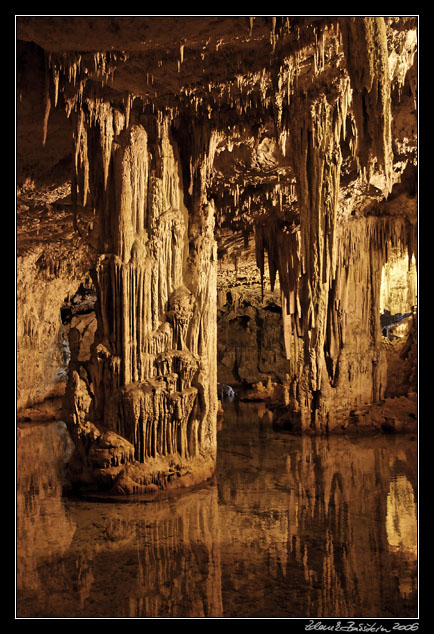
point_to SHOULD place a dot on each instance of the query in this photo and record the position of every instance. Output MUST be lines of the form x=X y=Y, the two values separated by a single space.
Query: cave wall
x=398 y=284
x=44 y=283
x=39 y=333
x=250 y=344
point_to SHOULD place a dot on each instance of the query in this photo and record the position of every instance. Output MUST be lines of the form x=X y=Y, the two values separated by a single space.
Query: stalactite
x=314 y=268
x=316 y=164
x=81 y=161
x=251 y=23
x=47 y=103
x=56 y=85
x=365 y=46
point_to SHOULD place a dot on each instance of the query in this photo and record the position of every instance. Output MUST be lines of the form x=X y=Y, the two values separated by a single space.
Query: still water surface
x=291 y=527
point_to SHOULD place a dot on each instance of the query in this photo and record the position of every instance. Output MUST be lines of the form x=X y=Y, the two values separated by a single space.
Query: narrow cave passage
x=398 y=308
x=398 y=294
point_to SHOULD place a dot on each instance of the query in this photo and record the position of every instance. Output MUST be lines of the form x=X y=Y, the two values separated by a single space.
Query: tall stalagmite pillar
x=143 y=409
x=330 y=266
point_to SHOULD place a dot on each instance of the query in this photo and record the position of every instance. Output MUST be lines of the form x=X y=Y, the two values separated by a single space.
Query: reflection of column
x=165 y=557
x=341 y=518
x=80 y=559
x=320 y=539
x=401 y=527
x=44 y=531
x=178 y=573
x=401 y=523
x=154 y=560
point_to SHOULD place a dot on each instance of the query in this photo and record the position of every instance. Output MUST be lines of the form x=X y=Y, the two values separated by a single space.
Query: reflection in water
x=401 y=525
x=292 y=527
x=44 y=530
x=401 y=516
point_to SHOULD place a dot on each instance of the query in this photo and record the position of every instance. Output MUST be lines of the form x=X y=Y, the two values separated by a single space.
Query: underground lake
x=217 y=322
x=289 y=527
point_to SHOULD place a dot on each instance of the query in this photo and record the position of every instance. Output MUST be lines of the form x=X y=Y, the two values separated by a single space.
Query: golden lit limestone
x=365 y=45
x=398 y=284
x=298 y=131
x=149 y=381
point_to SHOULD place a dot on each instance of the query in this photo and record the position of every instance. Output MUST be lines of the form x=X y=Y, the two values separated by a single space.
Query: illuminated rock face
x=398 y=285
x=295 y=135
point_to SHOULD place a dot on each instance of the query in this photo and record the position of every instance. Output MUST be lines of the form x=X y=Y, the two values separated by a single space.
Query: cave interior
x=209 y=205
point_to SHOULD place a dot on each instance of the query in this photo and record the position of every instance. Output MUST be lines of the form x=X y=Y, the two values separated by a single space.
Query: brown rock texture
x=154 y=154
x=250 y=343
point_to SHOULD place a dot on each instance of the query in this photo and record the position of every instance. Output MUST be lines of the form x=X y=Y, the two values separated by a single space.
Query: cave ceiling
x=247 y=81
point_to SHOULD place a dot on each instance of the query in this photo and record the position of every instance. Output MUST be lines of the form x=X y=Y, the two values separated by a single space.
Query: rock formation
x=150 y=378
x=149 y=148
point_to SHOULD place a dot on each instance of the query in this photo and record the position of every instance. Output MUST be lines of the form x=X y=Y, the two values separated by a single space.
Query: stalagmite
x=148 y=384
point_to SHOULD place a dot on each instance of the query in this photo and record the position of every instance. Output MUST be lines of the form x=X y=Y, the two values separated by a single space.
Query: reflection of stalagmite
x=179 y=566
x=173 y=559
x=166 y=560
x=350 y=551
x=401 y=519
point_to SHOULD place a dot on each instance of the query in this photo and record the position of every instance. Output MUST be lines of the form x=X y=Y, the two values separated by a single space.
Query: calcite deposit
x=255 y=172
